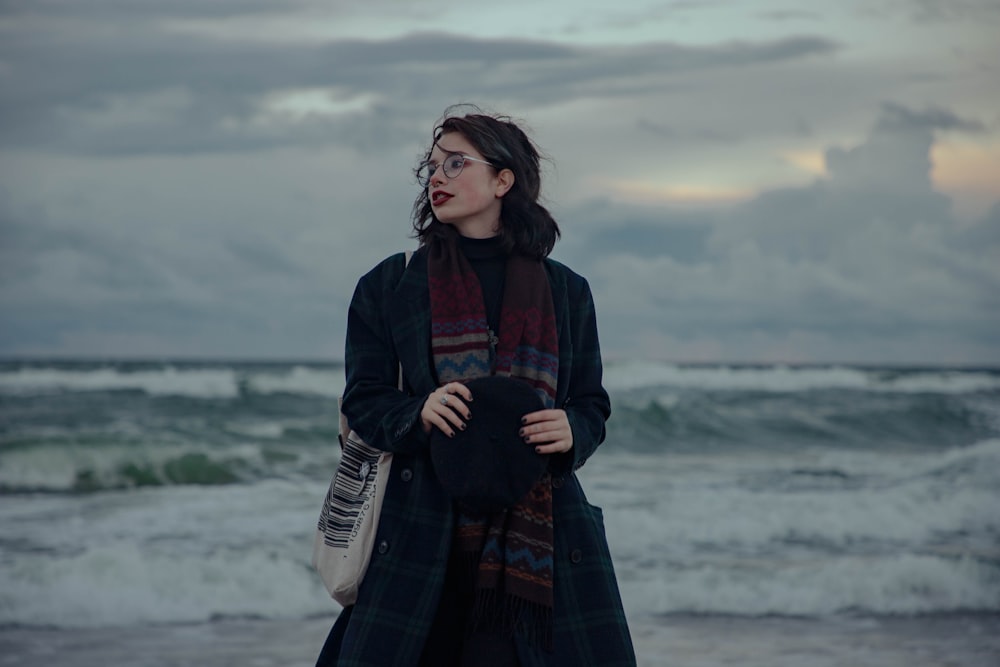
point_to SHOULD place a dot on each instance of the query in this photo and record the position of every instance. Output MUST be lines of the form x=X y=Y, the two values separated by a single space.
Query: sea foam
x=167 y=381
x=634 y=375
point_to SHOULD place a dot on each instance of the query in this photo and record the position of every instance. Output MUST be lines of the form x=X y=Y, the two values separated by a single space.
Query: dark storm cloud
x=145 y=9
x=934 y=11
x=601 y=228
x=114 y=280
x=898 y=156
x=72 y=89
x=700 y=136
x=220 y=254
x=866 y=261
x=677 y=10
x=790 y=15
x=897 y=117
x=29 y=238
x=121 y=289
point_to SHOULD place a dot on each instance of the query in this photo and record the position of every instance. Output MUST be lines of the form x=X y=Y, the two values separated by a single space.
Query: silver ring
x=444 y=400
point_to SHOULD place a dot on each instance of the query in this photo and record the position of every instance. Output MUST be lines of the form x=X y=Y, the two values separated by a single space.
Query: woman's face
x=471 y=201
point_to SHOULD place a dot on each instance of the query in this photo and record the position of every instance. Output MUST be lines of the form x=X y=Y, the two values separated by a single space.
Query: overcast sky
x=740 y=180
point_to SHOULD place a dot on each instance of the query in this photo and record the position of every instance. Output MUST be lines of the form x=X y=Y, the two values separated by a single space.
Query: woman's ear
x=505 y=181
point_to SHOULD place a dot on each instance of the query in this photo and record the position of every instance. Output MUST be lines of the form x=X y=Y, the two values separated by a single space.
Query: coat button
x=383 y=548
x=576 y=556
x=406 y=475
x=557 y=482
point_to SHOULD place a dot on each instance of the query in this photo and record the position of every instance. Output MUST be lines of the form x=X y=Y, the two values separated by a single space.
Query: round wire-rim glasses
x=452 y=166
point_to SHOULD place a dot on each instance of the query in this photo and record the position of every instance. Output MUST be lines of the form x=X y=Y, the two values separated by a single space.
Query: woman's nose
x=437 y=176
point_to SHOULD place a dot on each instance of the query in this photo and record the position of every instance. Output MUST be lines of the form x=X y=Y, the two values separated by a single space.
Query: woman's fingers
x=444 y=424
x=453 y=412
x=544 y=421
x=446 y=409
x=455 y=395
x=555 y=448
x=459 y=389
x=442 y=416
x=542 y=416
x=548 y=430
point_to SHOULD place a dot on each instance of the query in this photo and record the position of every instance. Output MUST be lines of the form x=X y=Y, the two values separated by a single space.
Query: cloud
x=181 y=181
x=598 y=229
x=868 y=261
x=789 y=15
x=115 y=291
x=70 y=88
x=186 y=256
x=897 y=156
x=896 y=117
x=934 y=11
x=699 y=136
x=865 y=264
x=676 y=10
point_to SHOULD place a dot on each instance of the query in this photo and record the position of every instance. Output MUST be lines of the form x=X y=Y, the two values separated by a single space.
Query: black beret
x=488 y=466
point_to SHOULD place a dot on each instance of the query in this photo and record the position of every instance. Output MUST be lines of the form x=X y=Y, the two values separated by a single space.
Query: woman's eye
x=456 y=162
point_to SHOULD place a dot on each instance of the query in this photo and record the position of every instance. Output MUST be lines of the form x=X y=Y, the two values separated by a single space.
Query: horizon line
x=316 y=361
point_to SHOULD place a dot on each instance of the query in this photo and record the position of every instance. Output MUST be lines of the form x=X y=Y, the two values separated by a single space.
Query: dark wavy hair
x=526 y=227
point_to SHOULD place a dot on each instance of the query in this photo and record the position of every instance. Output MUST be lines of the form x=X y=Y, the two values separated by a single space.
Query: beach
x=936 y=641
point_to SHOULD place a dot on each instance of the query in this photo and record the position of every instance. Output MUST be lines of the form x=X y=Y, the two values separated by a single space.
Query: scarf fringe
x=509 y=616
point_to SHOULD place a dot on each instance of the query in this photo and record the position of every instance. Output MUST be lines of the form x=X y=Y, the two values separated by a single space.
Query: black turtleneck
x=489 y=262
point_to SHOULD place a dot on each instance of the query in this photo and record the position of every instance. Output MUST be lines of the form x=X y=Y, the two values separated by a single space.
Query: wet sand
x=690 y=641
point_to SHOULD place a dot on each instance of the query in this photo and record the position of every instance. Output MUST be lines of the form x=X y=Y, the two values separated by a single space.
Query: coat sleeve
x=587 y=404
x=384 y=416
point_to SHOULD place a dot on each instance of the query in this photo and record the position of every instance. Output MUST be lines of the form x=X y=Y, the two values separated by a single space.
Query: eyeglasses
x=452 y=165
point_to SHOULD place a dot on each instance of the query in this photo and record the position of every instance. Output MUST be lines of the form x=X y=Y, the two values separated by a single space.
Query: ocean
x=162 y=513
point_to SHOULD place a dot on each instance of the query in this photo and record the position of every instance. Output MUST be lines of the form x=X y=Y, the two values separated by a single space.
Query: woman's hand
x=446 y=408
x=548 y=430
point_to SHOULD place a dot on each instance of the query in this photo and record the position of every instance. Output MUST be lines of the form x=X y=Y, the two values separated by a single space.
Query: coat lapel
x=410 y=324
x=557 y=281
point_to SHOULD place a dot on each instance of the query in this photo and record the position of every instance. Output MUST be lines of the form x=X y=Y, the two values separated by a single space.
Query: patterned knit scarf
x=511 y=549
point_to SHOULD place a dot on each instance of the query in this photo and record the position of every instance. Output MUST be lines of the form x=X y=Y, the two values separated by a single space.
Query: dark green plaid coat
x=389 y=323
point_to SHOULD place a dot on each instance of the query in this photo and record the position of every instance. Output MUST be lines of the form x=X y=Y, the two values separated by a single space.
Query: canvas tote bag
x=345 y=533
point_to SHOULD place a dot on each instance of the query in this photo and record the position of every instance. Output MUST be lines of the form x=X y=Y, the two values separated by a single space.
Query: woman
x=434 y=594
